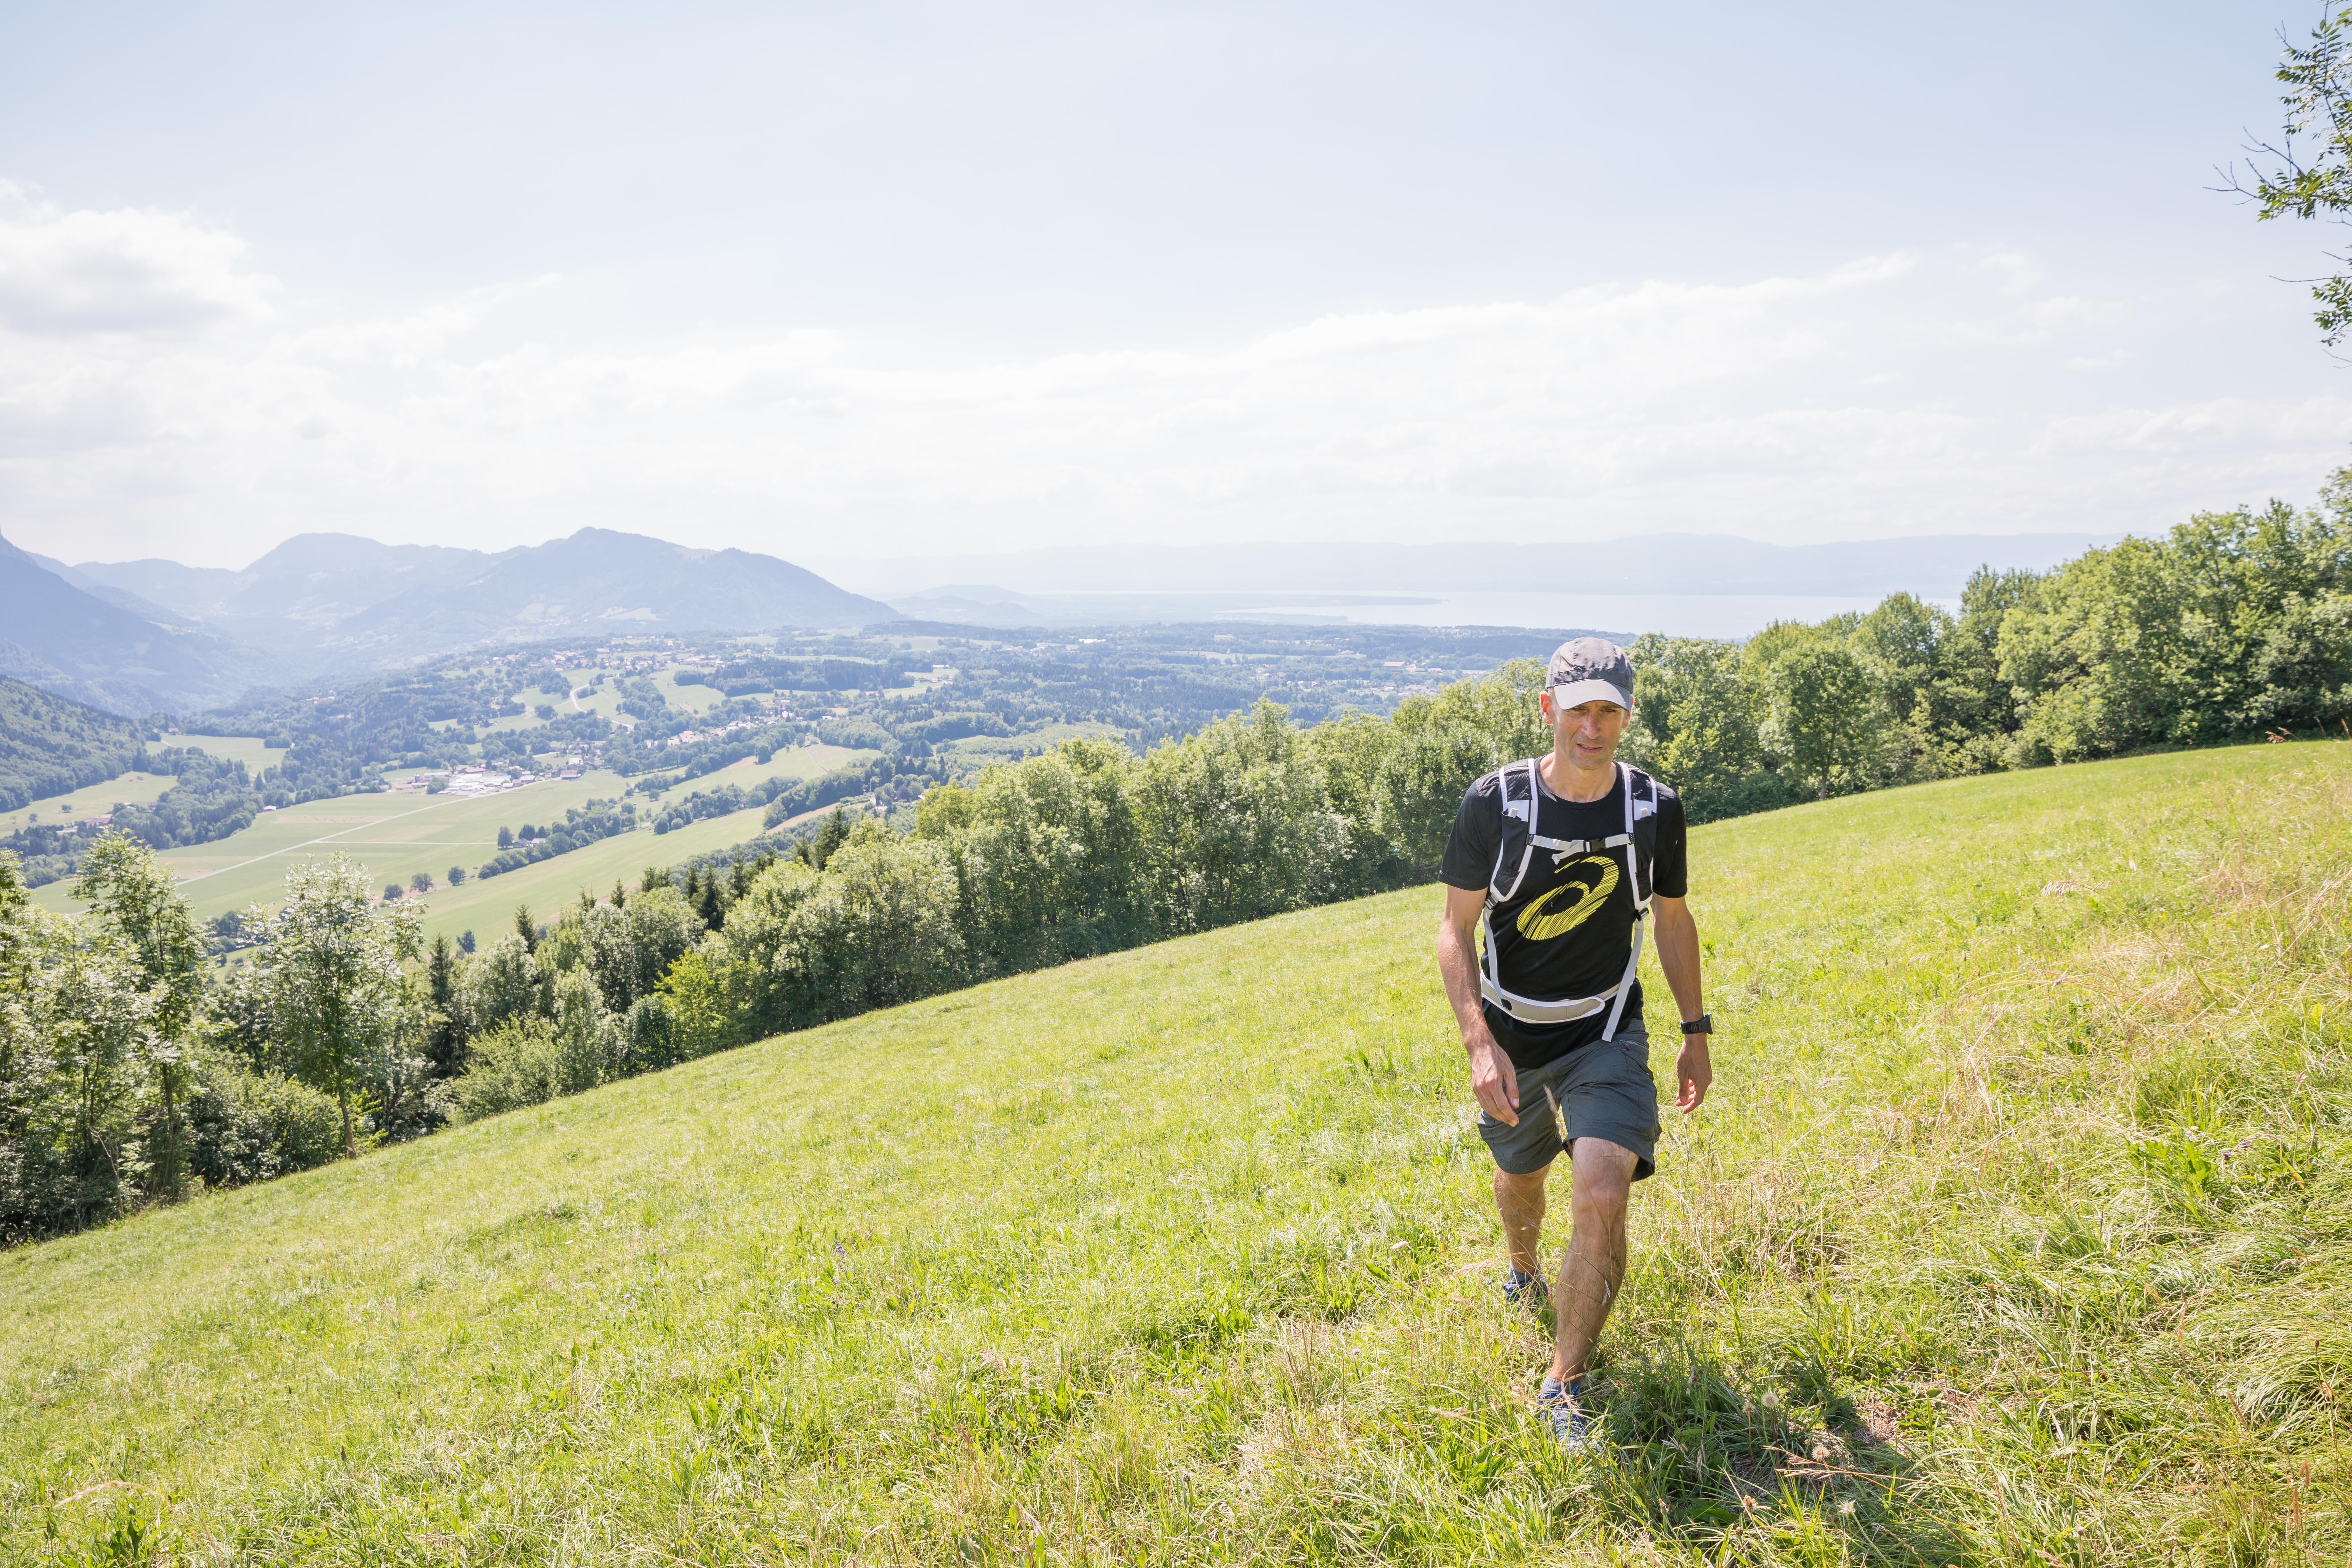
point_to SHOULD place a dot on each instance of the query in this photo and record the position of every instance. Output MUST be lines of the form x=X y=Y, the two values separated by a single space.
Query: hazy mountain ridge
x=294 y=596
x=66 y=639
x=139 y=637
x=1933 y=567
x=598 y=579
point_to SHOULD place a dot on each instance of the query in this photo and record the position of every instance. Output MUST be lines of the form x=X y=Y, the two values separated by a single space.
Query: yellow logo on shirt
x=1537 y=926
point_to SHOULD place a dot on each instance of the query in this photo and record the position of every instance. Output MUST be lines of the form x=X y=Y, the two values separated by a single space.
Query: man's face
x=1587 y=734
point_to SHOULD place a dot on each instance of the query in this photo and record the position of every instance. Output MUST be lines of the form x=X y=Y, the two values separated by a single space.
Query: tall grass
x=2019 y=1230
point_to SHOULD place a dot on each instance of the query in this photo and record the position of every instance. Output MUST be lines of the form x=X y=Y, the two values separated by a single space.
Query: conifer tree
x=448 y=1044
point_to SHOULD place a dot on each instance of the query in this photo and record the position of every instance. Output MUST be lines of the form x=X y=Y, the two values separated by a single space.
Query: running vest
x=1514 y=853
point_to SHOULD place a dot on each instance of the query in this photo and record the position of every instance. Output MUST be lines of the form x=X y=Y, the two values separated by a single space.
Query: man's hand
x=1694 y=1073
x=1492 y=1079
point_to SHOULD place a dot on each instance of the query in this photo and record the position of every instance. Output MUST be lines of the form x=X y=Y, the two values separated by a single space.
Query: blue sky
x=891 y=279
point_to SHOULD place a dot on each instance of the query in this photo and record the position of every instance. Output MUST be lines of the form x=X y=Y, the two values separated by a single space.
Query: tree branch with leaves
x=2307 y=172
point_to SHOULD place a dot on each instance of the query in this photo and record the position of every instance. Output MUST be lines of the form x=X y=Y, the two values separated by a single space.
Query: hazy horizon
x=938 y=569
x=925 y=277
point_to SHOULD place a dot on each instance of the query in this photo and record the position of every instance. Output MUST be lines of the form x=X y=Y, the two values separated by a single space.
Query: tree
x=456 y=876
x=1698 y=724
x=1825 y=718
x=880 y=925
x=75 y=1009
x=135 y=897
x=421 y=883
x=2307 y=173
x=74 y=1076
x=1233 y=823
x=2097 y=659
x=816 y=848
x=501 y=983
x=447 y=1047
x=332 y=968
x=627 y=948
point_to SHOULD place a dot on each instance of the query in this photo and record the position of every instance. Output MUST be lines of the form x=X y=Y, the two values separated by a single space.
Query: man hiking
x=1560 y=859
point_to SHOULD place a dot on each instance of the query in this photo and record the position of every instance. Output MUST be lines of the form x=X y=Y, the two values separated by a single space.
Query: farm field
x=139 y=788
x=123 y=789
x=2019 y=1228
x=398 y=835
x=606 y=698
x=487 y=908
x=250 y=750
x=977 y=751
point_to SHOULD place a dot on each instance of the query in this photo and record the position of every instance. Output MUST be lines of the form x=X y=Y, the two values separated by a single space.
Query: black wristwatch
x=1701 y=1025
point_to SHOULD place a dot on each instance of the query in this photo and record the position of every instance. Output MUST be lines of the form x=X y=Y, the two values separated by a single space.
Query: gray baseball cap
x=1590 y=669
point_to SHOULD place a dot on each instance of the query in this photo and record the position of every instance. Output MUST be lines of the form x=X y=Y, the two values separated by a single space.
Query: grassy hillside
x=2017 y=1230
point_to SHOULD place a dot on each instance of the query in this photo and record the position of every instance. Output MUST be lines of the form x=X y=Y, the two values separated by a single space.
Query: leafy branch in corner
x=2307 y=173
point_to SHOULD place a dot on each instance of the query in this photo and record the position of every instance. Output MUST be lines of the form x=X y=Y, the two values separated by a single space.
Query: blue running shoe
x=1571 y=1427
x=1524 y=1289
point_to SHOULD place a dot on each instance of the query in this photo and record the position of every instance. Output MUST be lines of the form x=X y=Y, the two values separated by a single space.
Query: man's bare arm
x=1491 y=1077
x=1678 y=957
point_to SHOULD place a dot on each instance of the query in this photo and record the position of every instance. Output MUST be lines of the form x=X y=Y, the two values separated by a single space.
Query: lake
x=1676 y=615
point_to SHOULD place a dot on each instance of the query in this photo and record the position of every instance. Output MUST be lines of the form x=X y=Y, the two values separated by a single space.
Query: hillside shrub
x=245 y=1126
x=531 y=1060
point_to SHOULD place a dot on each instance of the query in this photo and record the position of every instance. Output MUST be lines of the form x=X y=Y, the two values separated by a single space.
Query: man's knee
x=1604 y=1181
x=1527 y=1187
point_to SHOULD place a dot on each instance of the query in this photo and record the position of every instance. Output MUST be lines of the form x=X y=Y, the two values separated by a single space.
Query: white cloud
x=2015 y=269
x=128 y=272
x=155 y=397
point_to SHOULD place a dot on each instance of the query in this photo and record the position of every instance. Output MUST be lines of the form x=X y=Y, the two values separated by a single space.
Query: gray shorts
x=1604 y=1091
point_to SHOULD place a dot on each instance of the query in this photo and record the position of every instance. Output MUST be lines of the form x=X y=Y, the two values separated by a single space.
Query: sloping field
x=2017 y=1231
x=138 y=788
x=395 y=836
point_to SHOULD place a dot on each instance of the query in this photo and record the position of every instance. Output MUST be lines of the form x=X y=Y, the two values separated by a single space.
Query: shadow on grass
x=1702 y=1454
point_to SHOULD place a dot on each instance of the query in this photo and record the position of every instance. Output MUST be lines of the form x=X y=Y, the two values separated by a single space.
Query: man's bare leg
x=1593 y=1270
x=1520 y=1200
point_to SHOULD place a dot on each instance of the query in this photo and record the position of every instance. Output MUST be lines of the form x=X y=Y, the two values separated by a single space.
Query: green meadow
x=397 y=835
x=139 y=788
x=2018 y=1229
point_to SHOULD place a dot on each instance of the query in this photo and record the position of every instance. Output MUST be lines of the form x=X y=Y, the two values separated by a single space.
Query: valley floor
x=396 y=835
x=2019 y=1229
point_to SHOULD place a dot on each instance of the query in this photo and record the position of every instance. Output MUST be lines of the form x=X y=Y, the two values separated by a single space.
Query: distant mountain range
x=139 y=637
x=1934 y=567
x=126 y=658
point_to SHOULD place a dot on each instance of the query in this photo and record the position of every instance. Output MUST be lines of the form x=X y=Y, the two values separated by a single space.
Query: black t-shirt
x=1567 y=930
